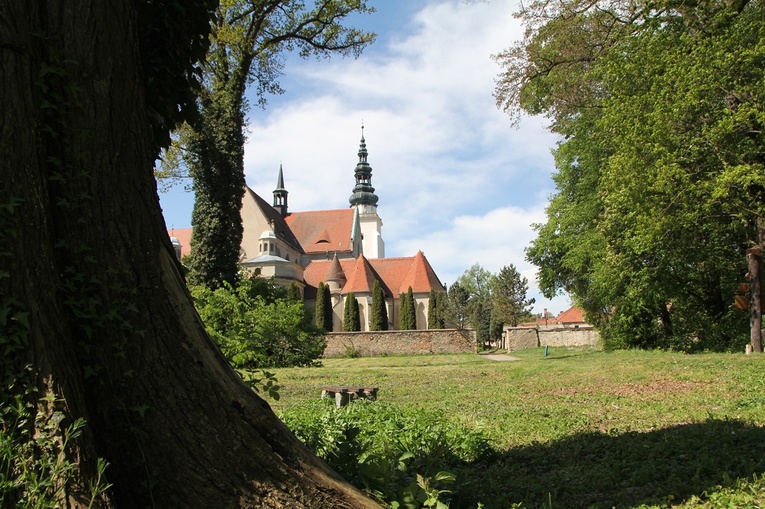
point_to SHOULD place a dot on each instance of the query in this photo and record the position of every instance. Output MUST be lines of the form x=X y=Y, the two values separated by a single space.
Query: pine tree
x=379 y=319
x=351 y=318
x=435 y=314
x=320 y=321
x=495 y=326
x=293 y=293
x=327 y=303
x=408 y=320
x=441 y=309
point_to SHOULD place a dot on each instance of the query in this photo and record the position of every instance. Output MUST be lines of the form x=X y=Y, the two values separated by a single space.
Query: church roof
x=362 y=277
x=320 y=231
x=280 y=227
x=184 y=237
x=401 y=273
x=335 y=272
x=396 y=275
x=266 y=259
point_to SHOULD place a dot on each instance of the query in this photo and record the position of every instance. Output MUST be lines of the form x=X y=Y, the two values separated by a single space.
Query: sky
x=454 y=178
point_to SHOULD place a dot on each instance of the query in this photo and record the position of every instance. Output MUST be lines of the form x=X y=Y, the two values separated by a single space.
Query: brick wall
x=412 y=342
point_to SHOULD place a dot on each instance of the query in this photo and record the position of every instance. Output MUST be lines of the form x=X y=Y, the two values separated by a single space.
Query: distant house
x=342 y=248
x=572 y=318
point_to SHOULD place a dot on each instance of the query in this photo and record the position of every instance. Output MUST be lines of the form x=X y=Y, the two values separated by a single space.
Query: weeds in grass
x=403 y=457
x=576 y=429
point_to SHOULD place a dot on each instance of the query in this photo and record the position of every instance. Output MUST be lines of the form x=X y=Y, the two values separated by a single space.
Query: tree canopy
x=660 y=180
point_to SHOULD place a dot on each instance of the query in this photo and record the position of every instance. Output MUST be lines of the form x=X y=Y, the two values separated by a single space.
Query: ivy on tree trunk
x=110 y=332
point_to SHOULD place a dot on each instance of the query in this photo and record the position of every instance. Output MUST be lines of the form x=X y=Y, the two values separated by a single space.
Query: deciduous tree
x=660 y=171
x=248 y=40
x=97 y=322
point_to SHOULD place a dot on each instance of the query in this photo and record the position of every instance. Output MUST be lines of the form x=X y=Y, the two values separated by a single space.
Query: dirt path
x=501 y=357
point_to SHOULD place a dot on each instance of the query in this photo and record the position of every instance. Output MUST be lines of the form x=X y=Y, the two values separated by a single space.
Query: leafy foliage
x=172 y=42
x=379 y=319
x=293 y=293
x=660 y=172
x=400 y=455
x=255 y=326
x=351 y=316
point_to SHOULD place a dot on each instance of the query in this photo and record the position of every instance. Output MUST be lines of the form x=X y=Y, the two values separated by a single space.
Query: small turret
x=280 y=195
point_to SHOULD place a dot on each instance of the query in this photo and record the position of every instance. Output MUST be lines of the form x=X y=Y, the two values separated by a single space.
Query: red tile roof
x=573 y=315
x=395 y=274
x=362 y=277
x=322 y=230
x=184 y=237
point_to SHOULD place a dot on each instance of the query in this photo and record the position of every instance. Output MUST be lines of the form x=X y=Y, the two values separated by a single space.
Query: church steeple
x=364 y=200
x=280 y=195
x=363 y=192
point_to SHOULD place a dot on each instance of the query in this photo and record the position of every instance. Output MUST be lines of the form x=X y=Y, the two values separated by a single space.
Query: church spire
x=363 y=192
x=280 y=195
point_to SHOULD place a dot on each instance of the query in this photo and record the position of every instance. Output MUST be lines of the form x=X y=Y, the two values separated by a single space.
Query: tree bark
x=112 y=330
x=754 y=257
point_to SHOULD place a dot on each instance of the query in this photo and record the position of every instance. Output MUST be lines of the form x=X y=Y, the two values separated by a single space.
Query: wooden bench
x=343 y=394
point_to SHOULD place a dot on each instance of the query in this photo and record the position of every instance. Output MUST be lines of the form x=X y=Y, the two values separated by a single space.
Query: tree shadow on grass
x=621 y=470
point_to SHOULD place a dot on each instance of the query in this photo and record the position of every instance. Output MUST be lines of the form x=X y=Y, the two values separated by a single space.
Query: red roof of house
x=322 y=230
x=573 y=315
x=184 y=237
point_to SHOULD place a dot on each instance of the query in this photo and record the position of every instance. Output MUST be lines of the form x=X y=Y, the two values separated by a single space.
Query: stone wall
x=581 y=336
x=519 y=338
x=411 y=342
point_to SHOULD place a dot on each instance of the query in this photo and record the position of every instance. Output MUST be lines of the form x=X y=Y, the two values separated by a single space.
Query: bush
x=401 y=456
x=255 y=325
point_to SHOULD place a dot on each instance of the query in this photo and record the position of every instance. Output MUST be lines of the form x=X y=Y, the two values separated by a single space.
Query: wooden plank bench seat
x=343 y=394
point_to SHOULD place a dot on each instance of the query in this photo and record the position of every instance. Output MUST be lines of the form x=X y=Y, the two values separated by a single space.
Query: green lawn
x=584 y=428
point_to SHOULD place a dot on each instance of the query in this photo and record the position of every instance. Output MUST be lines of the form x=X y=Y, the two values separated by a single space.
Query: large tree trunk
x=112 y=331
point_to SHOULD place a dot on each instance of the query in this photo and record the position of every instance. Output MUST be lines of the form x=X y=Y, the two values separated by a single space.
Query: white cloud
x=454 y=179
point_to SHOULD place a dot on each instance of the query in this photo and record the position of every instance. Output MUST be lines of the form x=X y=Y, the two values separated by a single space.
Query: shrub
x=401 y=456
x=255 y=326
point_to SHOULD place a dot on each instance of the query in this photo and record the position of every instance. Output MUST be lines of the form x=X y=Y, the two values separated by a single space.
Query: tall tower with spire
x=280 y=195
x=364 y=200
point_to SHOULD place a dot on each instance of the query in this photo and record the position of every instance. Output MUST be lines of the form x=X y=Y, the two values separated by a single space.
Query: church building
x=343 y=248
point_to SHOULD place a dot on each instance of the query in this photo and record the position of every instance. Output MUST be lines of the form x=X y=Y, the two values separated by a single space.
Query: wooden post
x=753 y=258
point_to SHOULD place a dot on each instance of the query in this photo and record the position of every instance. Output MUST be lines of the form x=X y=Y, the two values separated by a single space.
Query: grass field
x=584 y=428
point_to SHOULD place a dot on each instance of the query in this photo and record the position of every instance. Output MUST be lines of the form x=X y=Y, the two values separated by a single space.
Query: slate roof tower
x=364 y=200
x=280 y=195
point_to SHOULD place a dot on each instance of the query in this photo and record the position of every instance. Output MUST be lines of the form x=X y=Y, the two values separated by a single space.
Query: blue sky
x=454 y=178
